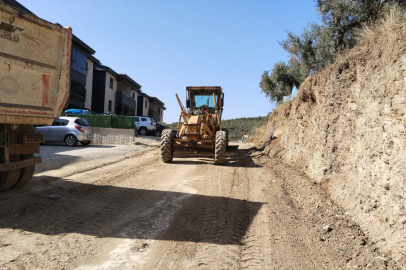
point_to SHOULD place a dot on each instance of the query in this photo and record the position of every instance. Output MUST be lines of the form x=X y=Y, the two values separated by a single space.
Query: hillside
x=345 y=129
x=237 y=126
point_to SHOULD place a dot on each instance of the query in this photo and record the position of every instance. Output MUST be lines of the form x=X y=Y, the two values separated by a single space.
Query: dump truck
x=201 y=128
x=34 y=88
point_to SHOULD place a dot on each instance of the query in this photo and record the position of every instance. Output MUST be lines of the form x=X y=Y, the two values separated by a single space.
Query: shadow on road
x=61 y=147
x=235 y=157
x=110 y=211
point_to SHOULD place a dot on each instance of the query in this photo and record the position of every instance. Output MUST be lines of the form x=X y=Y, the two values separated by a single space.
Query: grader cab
x=201 y=128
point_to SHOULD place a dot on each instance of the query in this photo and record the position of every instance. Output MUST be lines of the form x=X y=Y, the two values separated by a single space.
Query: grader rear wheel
x=220 y=148
x=166 y=145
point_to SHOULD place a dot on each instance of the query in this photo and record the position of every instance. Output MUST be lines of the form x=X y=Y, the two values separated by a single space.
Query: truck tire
x=166 y=145
x=26 y=173
x=227 y=140
x=220 y=148
x=9 y=178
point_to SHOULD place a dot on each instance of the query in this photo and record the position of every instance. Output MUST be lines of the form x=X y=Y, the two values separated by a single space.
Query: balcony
x=125 y=105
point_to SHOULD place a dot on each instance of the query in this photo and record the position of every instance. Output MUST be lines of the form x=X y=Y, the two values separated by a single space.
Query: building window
x=79 y=62
x=77 y=92
x=145 y=104
x=133 y=95
x=111 y=83
x=110 y=105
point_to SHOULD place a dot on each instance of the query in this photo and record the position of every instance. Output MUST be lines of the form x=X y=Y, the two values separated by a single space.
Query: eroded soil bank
x=346 y=130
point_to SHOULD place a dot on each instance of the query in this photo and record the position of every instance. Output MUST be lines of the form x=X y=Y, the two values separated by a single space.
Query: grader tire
x=220 y=148
x=166 y=145
x=227 y=140
x=9 y=178
x=26 y=173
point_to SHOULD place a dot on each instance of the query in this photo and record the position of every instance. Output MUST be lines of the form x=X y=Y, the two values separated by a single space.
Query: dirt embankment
x=346 y=130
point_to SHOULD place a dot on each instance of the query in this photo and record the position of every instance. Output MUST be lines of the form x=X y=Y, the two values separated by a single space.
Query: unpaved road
x=139 y=213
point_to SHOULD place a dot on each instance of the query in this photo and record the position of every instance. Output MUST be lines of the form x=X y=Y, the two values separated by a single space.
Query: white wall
x=89 y=84
x=110 y=94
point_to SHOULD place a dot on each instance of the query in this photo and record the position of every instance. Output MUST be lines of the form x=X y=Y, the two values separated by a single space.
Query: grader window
x=202 y=101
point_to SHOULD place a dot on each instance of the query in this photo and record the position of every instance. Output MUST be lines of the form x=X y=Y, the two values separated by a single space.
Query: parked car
x=77 y=111
x=70 y=130
x=145 y=125
x=159 y=128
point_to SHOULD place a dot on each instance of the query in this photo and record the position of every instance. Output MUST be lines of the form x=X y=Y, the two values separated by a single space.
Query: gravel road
x=122 y=208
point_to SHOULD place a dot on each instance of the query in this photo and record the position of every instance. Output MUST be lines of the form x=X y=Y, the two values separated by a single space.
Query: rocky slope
x=346 y=130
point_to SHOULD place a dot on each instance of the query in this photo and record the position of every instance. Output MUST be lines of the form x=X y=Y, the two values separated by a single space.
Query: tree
x=314 y=49
x=282 y=79
x=319 y=44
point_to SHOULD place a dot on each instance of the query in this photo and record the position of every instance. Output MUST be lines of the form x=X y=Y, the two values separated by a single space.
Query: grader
x=201 y=127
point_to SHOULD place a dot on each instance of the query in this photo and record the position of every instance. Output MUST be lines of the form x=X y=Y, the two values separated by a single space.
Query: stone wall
x=113 y=136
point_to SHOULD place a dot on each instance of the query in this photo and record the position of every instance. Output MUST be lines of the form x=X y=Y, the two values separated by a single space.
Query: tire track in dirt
x=226 y=229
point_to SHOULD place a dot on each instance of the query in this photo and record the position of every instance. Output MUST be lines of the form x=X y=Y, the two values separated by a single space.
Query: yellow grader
x=201 y=127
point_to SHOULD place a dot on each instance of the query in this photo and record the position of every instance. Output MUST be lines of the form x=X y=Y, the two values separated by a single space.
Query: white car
x=145 y=125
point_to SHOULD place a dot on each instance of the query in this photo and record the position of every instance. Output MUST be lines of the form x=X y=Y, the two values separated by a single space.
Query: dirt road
x=139 y=213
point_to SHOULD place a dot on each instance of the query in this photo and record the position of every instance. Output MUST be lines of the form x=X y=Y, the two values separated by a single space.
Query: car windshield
x=152 y=120
x=82 y=122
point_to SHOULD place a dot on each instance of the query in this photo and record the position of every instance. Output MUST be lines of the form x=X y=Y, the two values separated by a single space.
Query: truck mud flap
x=20 y=164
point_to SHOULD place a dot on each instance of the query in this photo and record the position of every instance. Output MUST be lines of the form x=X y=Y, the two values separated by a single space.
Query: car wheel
x=71 y=140
x=85 y=143
x=158 y=133
x=143 y=131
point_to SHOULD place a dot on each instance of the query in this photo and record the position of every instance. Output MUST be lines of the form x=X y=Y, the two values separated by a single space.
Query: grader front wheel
x=226 y=131
x=166 y=145
x=220 y=148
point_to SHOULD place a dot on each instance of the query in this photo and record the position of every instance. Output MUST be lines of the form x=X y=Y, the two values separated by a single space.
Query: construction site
x=320 y=186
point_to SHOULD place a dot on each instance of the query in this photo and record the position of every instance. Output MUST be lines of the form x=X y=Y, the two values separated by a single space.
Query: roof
x=83 y=45
x=94 y=59
x=127 y=80
x=144 y=95
x=17 y=5
x=156 y=100
x=105 y=68
x=204 y=88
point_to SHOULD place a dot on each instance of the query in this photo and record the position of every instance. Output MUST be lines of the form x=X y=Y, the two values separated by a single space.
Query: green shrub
x=124 y=122
x=107 y=121
x=102 y=121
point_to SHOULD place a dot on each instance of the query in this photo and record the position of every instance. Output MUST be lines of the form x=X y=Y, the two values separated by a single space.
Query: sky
x=168 y=45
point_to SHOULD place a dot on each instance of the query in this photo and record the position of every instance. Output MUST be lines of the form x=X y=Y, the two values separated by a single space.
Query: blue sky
x=168 y=45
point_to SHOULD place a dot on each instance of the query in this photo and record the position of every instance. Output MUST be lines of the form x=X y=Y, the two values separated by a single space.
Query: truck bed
x=34 y=68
